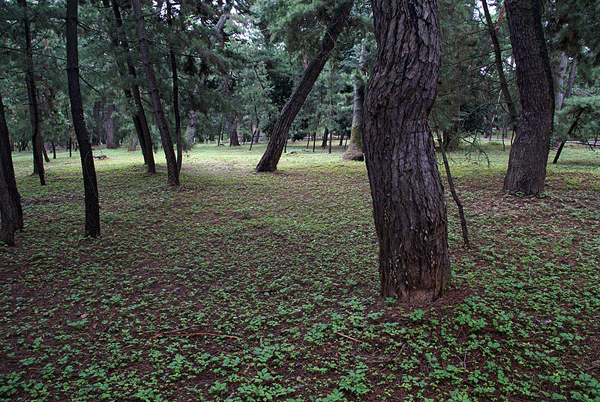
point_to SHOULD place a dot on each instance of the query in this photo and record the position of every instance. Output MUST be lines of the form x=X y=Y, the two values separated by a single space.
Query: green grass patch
x=264 y=287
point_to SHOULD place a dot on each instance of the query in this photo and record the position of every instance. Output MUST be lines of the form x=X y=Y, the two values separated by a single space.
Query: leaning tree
x=408 y=197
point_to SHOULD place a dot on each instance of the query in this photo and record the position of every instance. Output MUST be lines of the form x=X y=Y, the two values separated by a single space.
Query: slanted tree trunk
x=92 y=207
x=269 y=160
x=408 y=197
x=529 y=153
x=139 y=116
x=512 y=110
x=161 y=121
x=34 y=109
x=10 y=200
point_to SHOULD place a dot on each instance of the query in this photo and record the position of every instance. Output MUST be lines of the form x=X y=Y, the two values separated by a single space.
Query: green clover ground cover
x=249 y=287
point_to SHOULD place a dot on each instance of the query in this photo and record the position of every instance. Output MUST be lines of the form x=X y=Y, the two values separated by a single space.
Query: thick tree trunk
x=34 y=109
x=234 y=140
x=529 y=153
x=408 y=197
x=512 y=111
x=190 y=132
x=10 y=200
x=268 y=162
x=325 y=138
x=161 y=121
x=108 y=123
x=92 y=207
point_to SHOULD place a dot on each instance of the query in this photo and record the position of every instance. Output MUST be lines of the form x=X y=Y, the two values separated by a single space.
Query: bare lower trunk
x=278 y=140
x=34 y=110
x=161 y=121
x=92 y=207
x=355 y=149
x=529 y=154
x=109 y=126
x=408 y=197
x=10 y=200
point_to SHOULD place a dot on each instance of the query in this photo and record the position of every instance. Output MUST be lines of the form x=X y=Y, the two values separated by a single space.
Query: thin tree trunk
x=571 y=129
x=355 y=150
x=268 y=162
x=34 y=110
x=560 y=79
x=512 y=111
x=92 y=207
x=406 y=187
x=570 y=84
x=175 y=94
x=529 y=154
x=139 y=117
x=461 y=213
x=10 y=200
x=161 y=121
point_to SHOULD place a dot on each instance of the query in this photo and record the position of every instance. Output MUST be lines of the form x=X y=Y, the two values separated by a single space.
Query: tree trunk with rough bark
x=92 y=207
x=270 y=159
x=10 y=200
x=529 y=153
x=161 y=121
x=406 y=187
x=34 y=109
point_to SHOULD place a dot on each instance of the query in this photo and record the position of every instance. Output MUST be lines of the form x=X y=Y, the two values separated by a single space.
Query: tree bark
x=34 y=109
x=560 y=79
x=529 y=153
x=10 y=200
x=512 y=111
x=92 y=207
x=270 y=159
x=408 y=197
x=108 y=122
x=161 y=121
x=355 y=149
x=325 y=138
x=139 y=117
x=175 y=94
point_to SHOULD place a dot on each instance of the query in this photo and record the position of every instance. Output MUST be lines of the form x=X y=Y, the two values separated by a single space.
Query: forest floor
x=243 y=287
